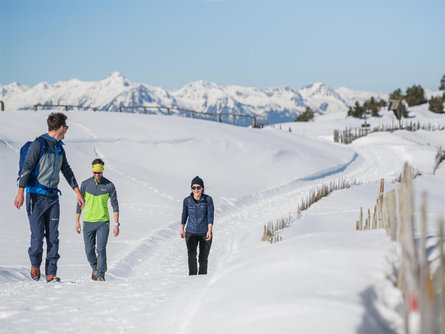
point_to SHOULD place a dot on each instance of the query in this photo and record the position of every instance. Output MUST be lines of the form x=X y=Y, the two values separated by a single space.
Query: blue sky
x=367 y=45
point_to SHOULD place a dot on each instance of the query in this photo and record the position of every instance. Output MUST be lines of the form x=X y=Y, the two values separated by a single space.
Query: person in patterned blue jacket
x=198 y=209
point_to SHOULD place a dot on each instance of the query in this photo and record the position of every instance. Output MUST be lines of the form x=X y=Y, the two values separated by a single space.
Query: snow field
x=323 y=276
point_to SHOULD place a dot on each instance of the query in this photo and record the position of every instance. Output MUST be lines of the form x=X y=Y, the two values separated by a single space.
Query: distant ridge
x=273 y=104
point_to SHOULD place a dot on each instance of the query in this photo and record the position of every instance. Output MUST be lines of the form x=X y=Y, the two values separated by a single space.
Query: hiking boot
x=52 y=278
x=100 y=279
x=35 y=273
x=94 y=275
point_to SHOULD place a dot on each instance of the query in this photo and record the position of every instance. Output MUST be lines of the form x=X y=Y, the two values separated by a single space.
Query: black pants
x=192 y=241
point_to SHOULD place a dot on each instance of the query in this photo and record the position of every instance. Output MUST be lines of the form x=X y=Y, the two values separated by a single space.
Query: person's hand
x=80 y=201
x=19 y=199
x=116 y=230
x=78 y=228
x=181 y=233
x=209 y=235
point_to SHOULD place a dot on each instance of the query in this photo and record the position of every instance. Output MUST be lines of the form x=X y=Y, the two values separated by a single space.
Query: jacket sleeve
x=185 y=211
x=68 y=172
x=31 y=161
x=210 y=210
x=82 y=191
x=113 y=198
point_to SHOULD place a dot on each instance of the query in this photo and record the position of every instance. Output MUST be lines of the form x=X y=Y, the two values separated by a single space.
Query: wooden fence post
x=442 y=278
x=426 y=295
x=439 y=158
x=380 y=203
x=392 y=215
x=409 y=256
x=369 y=220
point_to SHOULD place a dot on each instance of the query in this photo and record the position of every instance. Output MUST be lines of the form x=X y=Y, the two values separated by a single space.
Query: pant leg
x=36 y=211
x=204 y=250
x=102 y=239
x=191 y=241
x=89 y=238
x=52 y=234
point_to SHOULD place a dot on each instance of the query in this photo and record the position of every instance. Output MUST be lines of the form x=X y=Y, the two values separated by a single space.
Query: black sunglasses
x=198 y=187
x=97 y=173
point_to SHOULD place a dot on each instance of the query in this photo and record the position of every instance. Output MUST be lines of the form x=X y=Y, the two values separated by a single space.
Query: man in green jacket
x=96 y=220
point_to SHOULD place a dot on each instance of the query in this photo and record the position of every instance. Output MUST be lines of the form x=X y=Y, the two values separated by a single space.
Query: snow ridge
x=273 y=104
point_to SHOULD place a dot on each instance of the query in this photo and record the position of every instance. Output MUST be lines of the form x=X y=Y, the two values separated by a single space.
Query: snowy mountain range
x=272 y=104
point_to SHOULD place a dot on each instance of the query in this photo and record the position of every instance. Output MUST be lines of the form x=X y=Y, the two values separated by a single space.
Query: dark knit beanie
x=197 y=180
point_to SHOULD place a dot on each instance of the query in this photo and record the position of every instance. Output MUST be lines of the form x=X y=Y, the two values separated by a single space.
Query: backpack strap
x=42 y=146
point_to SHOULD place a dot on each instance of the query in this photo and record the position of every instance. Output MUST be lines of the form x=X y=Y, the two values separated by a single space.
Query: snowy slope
x=272 y=104
x=323 y=277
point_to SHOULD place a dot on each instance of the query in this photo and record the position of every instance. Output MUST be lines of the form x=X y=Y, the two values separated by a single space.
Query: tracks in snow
x=151 y=280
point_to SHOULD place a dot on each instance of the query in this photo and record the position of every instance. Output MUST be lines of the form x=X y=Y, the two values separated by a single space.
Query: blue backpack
x=32 y=181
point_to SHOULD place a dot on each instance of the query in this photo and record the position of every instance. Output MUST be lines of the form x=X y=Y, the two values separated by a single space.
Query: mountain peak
x=201 y=84
x=116 y=78
x=317 y=88
x=314 y=85
x=115 y=75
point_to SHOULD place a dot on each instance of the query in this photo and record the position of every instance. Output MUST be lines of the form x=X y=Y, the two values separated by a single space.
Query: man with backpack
x=40 y=164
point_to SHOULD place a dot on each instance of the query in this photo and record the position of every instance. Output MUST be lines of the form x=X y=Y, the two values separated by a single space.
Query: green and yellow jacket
x=96 y=197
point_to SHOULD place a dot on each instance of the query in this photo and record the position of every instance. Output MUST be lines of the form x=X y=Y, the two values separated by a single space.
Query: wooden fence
x=271 y=230
x=348 y=135
x=256 y=122
x=423 y=289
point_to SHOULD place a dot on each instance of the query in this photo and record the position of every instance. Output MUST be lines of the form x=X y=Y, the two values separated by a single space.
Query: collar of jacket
x=49 y=138
x=200 y=200
x=97 y=183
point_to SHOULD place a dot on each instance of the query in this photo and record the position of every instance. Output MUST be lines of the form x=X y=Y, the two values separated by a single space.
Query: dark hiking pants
x=92 y=232
x=192 y=241
x=43 y=214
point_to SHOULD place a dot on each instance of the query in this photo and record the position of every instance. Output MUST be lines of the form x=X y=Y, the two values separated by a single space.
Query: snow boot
x=35 y=273
x=100 y=279
x=94 y=275
x=52 y=279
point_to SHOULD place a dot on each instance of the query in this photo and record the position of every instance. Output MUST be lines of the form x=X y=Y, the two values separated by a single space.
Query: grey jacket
x=49 y=165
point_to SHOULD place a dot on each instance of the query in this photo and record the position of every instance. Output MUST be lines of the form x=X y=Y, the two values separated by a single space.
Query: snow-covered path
x=324 y=275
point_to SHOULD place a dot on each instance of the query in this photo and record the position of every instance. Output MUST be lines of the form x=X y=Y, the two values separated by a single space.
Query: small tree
x=306 y=116
x=381 y=104
x=436 y=104
x=396 y=95
x=372 y=106
x=357 y=111
x=415 y=95
x=442 y=83
x=404 y=111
